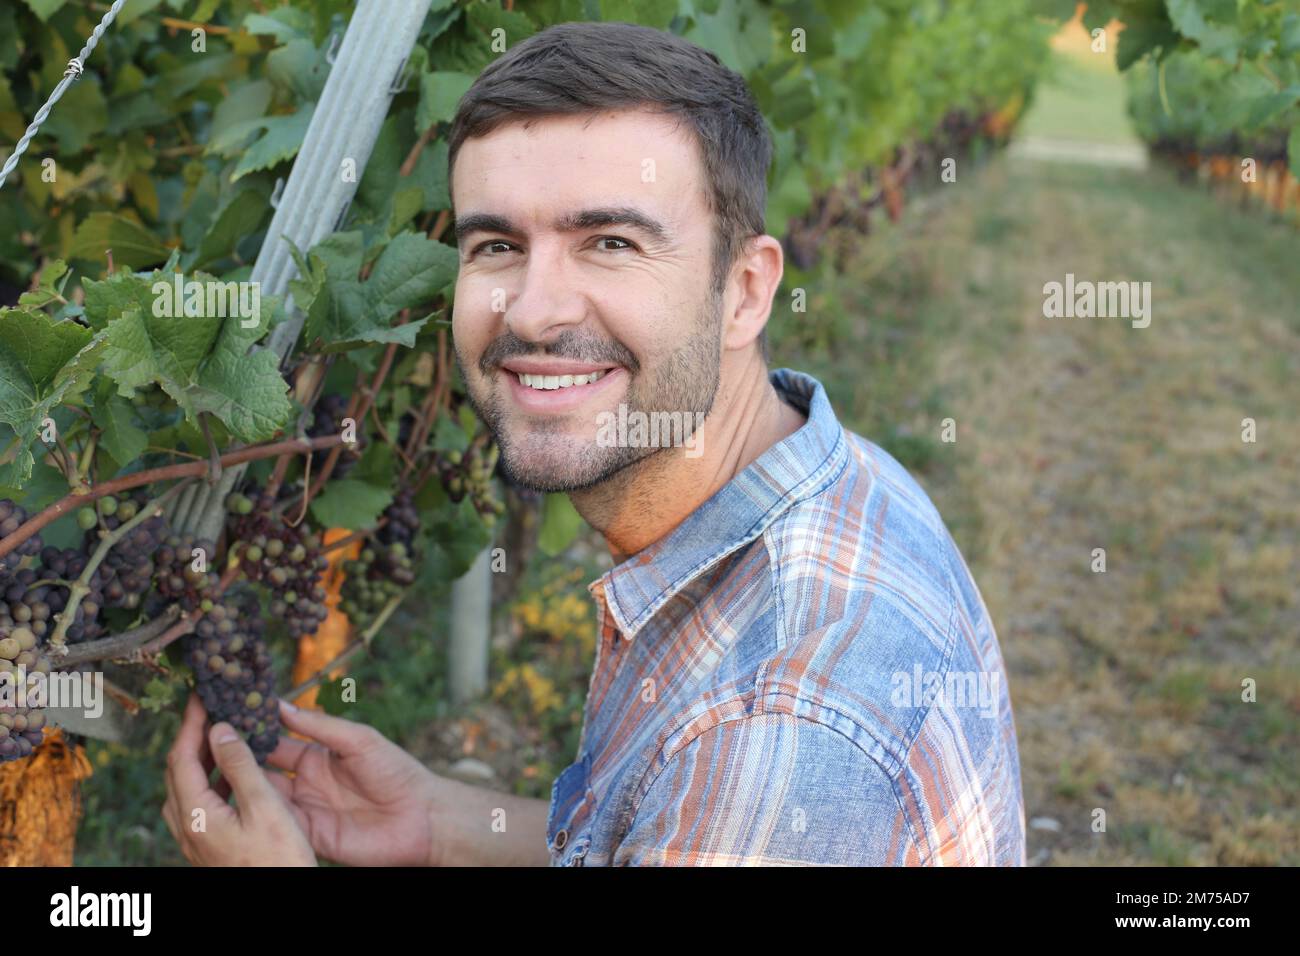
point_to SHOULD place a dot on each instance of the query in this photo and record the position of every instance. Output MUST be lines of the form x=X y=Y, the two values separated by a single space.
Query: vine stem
x=81 y=587
x=358 y=415
x=110 y=647
x=165 y=473
x=357 y=646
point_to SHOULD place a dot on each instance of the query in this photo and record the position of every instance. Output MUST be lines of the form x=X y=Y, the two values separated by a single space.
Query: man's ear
x=757 y=274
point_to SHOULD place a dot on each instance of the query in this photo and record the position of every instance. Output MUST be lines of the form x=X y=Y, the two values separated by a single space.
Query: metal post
x=471 y=625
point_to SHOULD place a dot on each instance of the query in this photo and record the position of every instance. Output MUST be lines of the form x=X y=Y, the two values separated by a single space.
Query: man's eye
x=626 y=244
x=493 y=242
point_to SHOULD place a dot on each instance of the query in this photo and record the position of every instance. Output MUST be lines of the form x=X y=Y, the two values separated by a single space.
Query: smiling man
x=755 y=696
x=794 y=665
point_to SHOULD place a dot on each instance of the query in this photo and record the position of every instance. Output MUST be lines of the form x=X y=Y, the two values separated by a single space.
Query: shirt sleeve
x=769 y=790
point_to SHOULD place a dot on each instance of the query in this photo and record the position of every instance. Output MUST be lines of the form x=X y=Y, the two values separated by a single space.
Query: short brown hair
x=582 y=67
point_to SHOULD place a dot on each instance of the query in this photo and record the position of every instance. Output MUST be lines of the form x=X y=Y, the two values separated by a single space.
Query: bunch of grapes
x=184 y=576
x=232 y=668
x=285 y=559
x=386 y=568
x=13 y=517
x=328 y=414
x=127 y=569
x=38 y=606
x=21 y=727
x=470 y=473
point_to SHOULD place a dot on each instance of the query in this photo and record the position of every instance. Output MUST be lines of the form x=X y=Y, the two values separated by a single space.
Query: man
x=794 y=665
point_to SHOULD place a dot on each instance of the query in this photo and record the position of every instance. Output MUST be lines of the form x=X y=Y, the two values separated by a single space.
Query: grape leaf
x=354 y=505
x=439 y=94
x=343 y=312
x=132 y=244
x=560 y=525
x=283 y=135
x=45 y=8
x=202 y=362
x=43 y=362
x=120 y=436
x=240 y=217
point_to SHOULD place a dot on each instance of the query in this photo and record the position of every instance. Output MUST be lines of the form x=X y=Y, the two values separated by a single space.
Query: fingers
x=239 y=767
x=289 y=753
x=344 y=737
x=186 y=777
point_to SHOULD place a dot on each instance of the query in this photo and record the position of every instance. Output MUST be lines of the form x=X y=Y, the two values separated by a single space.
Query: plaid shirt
x=801 y=672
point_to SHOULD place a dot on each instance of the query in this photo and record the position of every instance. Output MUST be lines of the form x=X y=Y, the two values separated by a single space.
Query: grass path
x=1075 y=434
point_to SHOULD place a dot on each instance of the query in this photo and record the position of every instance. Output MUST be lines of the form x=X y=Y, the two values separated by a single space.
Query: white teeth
x=548 y=382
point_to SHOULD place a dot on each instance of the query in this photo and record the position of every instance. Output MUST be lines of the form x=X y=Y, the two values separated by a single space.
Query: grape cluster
x=386 y=568
x=328 y=414
x=13 y=517
x=285 y=559
x=21 y=727
x=127 y=569
x=183 y=576
x=232 y=668
x=470 y=473
x=38 y=606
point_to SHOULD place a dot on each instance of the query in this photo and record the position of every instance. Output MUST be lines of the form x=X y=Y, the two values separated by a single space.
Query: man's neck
x=641 y=504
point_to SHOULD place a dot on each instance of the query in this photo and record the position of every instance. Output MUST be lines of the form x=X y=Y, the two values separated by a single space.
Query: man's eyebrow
x=573 y=222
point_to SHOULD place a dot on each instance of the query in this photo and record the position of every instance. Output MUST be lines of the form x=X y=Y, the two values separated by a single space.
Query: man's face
x=585 y=250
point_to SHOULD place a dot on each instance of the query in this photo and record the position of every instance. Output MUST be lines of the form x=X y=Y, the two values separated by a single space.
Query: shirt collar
x=795 y=468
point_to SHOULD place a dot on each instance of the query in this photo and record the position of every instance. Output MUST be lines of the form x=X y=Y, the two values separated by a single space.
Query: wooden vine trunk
x=40 y=804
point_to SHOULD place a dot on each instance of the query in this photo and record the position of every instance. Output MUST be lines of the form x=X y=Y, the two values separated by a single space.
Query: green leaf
x=650 y=13
x=108 y=299
x=78 y=118
x=354 y=505
x=134 y=9
x=410 y=271
x=560 y=525
x=460 y=533
x=1216 y=40
x=241 y=217
x=300 y=68
x=342 y=312
x=45 y=8
x=132 y=244
x=439 y=94
x=448 y=435
x=1293 y=150
x=202 y=362
x=43 y=362
x=119 y=434
x=1140 y=37
x=282 y=137
x=285 y=24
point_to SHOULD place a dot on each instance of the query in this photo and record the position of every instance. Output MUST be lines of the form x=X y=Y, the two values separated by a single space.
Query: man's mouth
x=532 y=378
x=548 y=382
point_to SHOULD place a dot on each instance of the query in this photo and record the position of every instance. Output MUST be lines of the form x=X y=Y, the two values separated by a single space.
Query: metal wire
x=73 y=73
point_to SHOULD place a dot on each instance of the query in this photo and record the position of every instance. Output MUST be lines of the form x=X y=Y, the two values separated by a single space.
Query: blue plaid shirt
x=801 y=672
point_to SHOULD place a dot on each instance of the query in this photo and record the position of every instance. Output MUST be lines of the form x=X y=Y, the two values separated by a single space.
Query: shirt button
x=561 y=839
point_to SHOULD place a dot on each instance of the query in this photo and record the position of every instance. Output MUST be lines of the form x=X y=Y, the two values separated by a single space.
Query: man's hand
x=260 y=830
x=361 y=799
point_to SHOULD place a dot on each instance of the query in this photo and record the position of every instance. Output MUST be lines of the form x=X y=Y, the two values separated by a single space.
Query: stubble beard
x=542 y=456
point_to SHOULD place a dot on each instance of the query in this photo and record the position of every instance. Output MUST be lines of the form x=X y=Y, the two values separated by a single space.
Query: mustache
x=571 y=344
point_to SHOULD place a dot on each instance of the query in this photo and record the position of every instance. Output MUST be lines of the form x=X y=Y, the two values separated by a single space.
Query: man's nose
x=548 y=300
